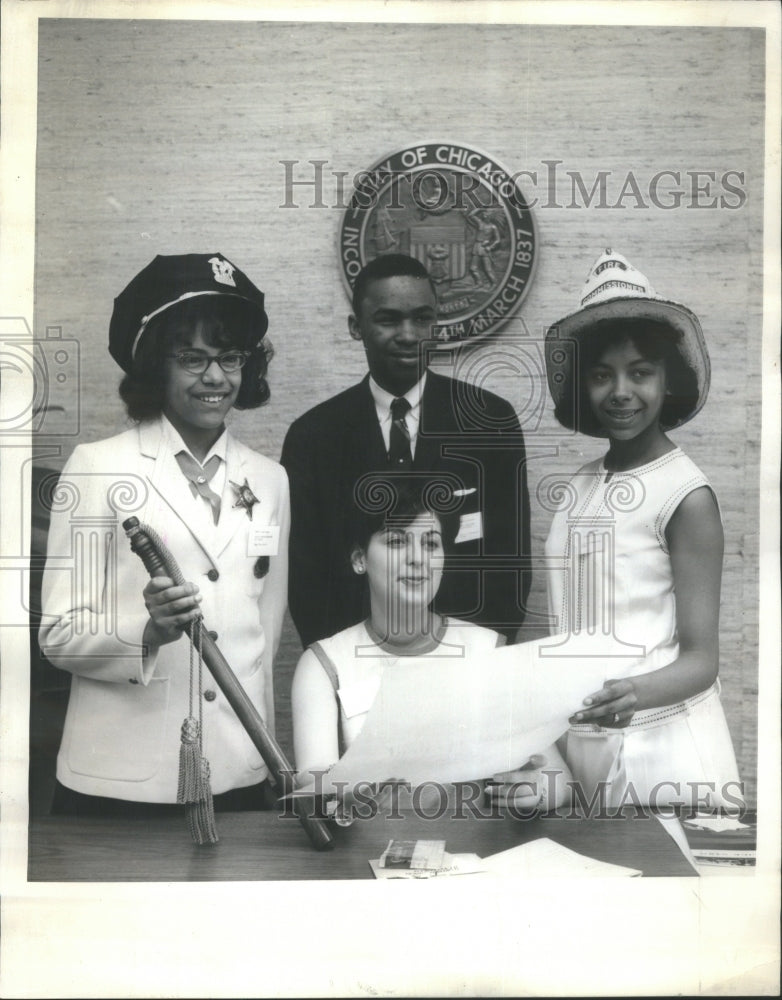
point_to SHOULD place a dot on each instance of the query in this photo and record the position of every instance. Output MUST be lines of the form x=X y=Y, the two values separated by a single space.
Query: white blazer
x=122 y=729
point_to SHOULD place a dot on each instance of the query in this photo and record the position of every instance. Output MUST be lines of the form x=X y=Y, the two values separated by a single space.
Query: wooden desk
x=264 y=846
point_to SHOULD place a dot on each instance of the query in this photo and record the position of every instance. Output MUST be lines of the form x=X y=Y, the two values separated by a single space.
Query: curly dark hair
x=654 y=341
x=395 y=500
x=228 y=323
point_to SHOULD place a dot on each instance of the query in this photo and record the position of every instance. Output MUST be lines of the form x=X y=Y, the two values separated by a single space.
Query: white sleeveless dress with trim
x=355 y=662
x=609 y=571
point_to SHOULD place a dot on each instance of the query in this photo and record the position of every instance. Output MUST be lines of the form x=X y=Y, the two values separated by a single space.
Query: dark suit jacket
x=470 y=435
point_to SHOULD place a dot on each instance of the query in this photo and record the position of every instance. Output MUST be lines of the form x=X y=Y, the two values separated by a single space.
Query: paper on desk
x=455 y=718
x=544 y=858
x=453 y=864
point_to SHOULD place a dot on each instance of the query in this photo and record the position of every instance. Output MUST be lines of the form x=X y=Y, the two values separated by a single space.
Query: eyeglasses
x=197 y=362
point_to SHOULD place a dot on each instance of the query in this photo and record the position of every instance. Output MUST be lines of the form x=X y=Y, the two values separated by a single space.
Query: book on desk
x=721 y=841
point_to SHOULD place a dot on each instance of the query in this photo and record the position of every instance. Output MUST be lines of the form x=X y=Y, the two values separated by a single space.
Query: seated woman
x=336 y=680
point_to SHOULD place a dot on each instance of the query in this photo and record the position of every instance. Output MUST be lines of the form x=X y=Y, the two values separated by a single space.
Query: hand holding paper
x=523 y=787
x=612 y=707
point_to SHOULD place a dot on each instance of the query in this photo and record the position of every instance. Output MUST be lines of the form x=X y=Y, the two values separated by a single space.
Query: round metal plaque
x=463 y=216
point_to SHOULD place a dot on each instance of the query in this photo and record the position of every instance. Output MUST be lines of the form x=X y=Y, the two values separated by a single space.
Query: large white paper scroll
x=463 y=717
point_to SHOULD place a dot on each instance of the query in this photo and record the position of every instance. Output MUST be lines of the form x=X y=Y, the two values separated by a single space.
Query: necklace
x=418 y=645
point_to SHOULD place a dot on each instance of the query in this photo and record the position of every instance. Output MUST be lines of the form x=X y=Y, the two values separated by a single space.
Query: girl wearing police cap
x=188 y=331
x=635 y=548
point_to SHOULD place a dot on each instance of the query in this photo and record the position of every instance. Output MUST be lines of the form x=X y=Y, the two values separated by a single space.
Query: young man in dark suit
x=403 y=417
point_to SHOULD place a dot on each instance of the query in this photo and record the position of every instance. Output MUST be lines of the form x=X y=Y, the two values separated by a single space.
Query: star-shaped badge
x=245 y=497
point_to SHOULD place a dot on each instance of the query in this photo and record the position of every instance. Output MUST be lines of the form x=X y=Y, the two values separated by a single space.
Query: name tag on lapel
x=263 y=540
x=470 y=527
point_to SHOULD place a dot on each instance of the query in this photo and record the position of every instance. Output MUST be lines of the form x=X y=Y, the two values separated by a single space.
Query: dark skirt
x=66 y=802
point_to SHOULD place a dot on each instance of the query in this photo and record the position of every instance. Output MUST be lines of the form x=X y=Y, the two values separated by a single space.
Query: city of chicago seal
x=462 y=215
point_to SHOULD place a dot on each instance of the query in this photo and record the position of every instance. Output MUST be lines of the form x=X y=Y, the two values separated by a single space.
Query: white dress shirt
x=383 y=402
x=202 y=510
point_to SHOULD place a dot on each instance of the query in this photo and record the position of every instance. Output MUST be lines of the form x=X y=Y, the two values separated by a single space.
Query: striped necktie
x=399 y=454
x=199 y=477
